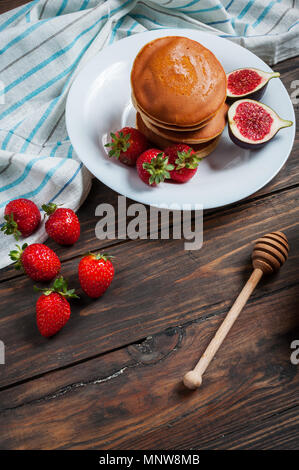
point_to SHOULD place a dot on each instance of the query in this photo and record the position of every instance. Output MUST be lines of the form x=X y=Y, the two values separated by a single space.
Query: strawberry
x=52 y=308
x=185 y=162
x=22 y=218
x=153 y=167
x=38 y=261
x=127 y=144
x=95 y=274
x=63 y=225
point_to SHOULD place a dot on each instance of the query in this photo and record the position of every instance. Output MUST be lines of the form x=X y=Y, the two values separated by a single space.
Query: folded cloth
x=43 y=45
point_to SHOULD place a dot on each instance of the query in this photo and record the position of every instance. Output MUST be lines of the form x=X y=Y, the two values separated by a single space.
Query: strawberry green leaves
x=11 y=227
x=187 y=159
x=120 y=143
x=158 y=169
x=15 y=255
x=59 y=286
x=49 y=208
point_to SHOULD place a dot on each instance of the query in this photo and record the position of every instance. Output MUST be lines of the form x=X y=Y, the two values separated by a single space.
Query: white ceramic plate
x=99 y=102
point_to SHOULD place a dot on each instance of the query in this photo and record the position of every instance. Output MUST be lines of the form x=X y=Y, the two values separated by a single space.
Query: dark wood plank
x=287 y=177
x=6 y=5
x=134 y=399
x=157 y=284
x=279 y=432
x=99 y=194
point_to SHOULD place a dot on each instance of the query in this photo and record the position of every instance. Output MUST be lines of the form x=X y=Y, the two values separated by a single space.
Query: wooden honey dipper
x=269 y=254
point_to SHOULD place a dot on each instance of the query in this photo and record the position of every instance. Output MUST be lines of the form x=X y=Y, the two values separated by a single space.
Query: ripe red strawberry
x=52 y=308
x=63 y=225
x=185 y=162
x=95 y=274
x=22 y=218
x=127 y=144
x=38 y=261
x=153 y=167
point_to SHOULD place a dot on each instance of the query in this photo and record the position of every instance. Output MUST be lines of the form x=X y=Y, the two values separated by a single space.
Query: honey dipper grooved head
x=270 y=252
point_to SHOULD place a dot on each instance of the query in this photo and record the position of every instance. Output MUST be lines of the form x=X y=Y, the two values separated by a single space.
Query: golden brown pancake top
x=178 y=81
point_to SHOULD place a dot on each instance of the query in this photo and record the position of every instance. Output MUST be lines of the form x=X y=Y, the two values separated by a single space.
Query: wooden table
x=112 y=378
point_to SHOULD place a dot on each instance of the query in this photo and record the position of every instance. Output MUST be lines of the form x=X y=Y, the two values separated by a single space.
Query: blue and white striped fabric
x=44 y=43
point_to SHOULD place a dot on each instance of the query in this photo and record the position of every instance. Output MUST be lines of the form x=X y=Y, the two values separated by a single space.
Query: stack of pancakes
x=179 y=92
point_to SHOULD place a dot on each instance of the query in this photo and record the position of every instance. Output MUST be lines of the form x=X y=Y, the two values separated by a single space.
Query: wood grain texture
x=6 y=5
x=112 y=378
x=193 y=379
x=157 y=284
x=134 y=399
x=288 y=177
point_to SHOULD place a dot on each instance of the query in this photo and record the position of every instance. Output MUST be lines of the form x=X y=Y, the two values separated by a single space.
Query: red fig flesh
x=248 y=82
x=253 y=124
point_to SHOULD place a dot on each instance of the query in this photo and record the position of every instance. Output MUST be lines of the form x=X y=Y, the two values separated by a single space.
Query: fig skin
x=254 y=95
x=253 y=145
x=246 y=145
x=257 y=93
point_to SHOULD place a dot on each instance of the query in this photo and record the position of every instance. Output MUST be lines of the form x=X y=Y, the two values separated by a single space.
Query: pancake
x=178 y=81
x=202 y=150
x=170 y=127
x=211 y=130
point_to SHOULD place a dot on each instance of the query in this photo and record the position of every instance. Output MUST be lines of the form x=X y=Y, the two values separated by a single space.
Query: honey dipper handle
x=193 y=378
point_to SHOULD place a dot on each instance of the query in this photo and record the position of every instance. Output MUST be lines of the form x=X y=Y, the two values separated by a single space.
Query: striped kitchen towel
x=44 y=44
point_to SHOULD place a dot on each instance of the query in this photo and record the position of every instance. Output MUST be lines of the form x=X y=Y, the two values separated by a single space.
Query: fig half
x=248 y=83
x=252 y=124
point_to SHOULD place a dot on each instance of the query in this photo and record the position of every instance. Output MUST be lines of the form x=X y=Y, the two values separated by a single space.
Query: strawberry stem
x=187 y=159
x=103 y=256
x=59 y=286
x=158 y=168
x=11 y=226
x=119 y=144
x=16 y=255
x=49 y=208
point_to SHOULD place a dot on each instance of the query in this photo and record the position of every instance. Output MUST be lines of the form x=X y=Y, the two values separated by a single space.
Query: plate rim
x=172 y=32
